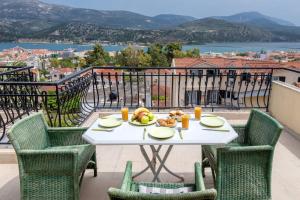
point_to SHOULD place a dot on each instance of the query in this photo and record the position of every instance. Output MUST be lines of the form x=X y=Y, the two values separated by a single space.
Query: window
x=298 y=79
x=212 y=72
x=196 y=72
x=282 y=78
x=192 y=97
x=245 y=76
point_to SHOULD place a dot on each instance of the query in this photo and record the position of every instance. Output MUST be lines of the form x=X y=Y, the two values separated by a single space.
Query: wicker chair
x=129 y=189
x=243 y=168
x=52 y=161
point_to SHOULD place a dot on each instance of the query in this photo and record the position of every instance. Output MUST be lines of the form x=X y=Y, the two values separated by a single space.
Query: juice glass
x=198 y=112
x=185 y=121
x=124 y=112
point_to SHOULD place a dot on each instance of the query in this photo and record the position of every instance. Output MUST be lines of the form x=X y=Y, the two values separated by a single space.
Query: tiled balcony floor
x=112 y=160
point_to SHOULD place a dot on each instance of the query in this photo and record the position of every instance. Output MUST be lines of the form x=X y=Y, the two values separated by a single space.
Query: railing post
x=270 y=89
x=94 y=82
x=58 y=105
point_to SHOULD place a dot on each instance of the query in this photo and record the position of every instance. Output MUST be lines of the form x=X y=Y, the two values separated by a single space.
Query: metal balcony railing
x=70 y=101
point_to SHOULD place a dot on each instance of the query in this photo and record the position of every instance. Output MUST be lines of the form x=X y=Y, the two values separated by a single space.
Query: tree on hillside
x=158 y=58
x=97 y=57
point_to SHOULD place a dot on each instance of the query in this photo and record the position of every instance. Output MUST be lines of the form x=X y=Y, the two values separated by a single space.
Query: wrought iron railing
x=63 y=102
x=166 y=88
x=69 y=101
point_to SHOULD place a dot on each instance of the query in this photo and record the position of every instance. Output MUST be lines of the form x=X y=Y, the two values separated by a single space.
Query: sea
x=204 y=48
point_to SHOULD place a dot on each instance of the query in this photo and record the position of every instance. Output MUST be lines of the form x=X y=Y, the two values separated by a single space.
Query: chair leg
x=204 y=163
x=95 y=164
x=81 y=178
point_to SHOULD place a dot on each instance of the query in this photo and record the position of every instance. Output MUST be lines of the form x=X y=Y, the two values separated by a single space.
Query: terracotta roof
x=295 y=65
x=184 y=62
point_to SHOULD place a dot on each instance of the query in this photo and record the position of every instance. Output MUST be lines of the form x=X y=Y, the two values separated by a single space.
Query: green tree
x=19 y=64
x=170 y=50
x=193 y=53
x=54 y=62
x=158 y=58
x=97 y=57
x=132 y=57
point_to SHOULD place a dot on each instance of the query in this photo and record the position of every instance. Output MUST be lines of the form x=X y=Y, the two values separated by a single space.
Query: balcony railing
x=69 y=101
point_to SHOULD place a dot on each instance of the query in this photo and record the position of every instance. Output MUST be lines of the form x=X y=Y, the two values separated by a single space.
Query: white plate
x=162 y=132
x=110 y=122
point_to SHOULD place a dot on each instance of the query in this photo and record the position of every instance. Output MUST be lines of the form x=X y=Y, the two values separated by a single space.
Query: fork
x=144 y=134
x=180 y=132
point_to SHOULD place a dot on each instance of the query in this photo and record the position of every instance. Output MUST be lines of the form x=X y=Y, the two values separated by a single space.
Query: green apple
x=145 y=120
x=151 y=116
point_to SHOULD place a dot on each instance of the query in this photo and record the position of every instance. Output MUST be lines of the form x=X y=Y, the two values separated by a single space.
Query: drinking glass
x=198 y=111
x=185 y=121
x=124 y=112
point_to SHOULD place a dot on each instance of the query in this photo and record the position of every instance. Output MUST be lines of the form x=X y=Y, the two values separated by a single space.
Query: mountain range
x=38 y=20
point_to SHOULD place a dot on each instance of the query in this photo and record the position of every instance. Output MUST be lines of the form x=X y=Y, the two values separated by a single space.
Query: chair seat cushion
x=135 y=186
x=158 y=190
x=85 y=152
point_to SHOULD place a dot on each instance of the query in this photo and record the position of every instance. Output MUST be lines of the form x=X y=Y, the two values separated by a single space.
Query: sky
x=284 y=9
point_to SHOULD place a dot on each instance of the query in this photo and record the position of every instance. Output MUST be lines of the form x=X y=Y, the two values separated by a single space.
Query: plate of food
x=142 y=117
x=170 y=122
x=162 y=132
x=176 y=114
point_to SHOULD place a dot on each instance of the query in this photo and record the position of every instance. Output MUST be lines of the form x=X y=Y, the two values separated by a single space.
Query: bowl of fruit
x=142 y=117
x=176 y=114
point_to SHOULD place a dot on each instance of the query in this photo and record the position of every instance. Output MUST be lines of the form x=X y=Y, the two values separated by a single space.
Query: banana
x=139 y=110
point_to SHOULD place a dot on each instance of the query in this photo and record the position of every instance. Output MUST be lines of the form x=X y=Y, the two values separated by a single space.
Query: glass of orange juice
x=198 y=111
x=124 y=112
x=185 y=121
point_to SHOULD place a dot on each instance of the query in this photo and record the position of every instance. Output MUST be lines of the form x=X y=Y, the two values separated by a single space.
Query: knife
x=180 y=132
x=102 y=129
x=210 y=129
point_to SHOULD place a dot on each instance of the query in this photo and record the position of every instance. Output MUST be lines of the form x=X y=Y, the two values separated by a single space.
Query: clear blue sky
x=284 y=9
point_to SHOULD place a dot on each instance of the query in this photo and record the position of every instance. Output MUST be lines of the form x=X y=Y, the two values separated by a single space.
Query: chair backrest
x=117 y=194
x=29 y=133
x=262 y=129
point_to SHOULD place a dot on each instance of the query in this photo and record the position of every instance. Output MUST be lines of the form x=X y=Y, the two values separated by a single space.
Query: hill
x=254 y=18
x=38 y=20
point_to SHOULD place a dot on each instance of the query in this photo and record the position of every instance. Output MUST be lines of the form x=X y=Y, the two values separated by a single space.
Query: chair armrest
x=199 y=183
x=58 y=162
x=243 y=149
x=127 y=178
x=241 y=131
x=66 y=136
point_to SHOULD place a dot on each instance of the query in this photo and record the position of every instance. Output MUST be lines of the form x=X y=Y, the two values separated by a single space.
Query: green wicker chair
x=243 y=168
x=52 y=161
x=129 y=189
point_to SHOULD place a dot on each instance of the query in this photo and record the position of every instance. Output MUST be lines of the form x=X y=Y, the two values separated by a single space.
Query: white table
x=128 y=134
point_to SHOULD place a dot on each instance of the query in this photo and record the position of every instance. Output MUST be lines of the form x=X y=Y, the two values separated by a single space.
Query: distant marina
x=205 y=48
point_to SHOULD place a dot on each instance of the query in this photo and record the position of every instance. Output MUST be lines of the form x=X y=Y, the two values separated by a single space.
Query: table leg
x=164 y=166
x=152 y=163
